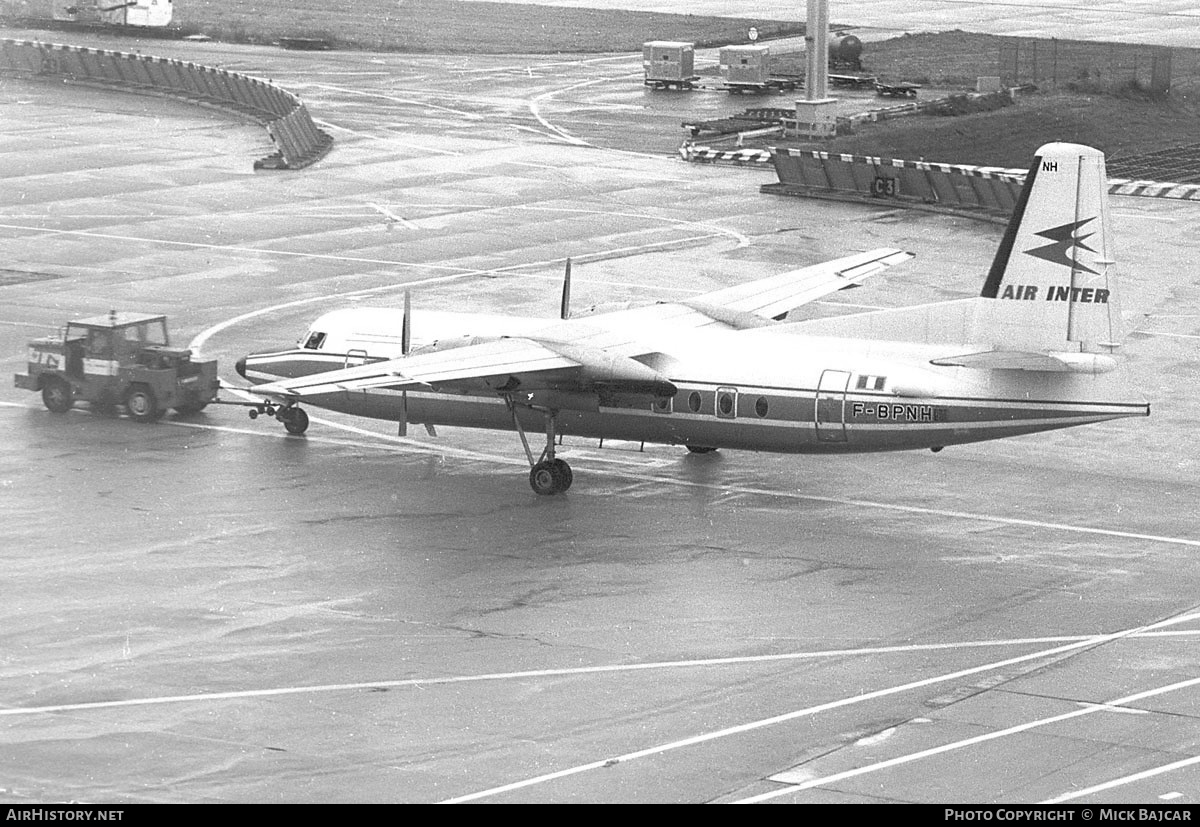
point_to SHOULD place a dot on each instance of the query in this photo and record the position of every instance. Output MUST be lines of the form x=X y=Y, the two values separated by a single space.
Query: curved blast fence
x=298 y=139
x=806 y=172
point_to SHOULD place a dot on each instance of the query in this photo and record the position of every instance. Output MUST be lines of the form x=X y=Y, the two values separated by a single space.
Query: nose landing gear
x=294 y=419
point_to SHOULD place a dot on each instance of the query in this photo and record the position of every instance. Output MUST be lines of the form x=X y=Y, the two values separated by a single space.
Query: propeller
x=405 y=346
x=565 y=308
x=406 y=326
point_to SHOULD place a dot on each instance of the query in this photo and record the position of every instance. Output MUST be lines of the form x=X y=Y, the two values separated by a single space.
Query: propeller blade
x=565 y=309
x=406 y=329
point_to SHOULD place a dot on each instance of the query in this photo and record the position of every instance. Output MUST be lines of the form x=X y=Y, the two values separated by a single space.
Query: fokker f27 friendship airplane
x=1036 y=350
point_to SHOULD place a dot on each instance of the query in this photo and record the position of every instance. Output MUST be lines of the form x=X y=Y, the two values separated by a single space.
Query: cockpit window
x=314 y=341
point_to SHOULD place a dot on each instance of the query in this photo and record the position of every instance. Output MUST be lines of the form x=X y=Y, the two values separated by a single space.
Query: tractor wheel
x=58 y=396
x=141 y=404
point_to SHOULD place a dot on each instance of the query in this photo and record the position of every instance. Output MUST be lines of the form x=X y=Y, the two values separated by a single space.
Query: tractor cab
x=119 y=359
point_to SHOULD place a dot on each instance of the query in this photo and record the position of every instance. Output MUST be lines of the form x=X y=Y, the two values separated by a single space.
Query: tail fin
x=1054 y=270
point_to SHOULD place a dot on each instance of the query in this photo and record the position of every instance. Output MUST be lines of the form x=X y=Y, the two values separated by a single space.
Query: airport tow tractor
x=119 y=359
x=127 y=359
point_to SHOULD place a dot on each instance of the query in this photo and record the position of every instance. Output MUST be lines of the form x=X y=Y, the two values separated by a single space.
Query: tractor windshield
x=154 y=333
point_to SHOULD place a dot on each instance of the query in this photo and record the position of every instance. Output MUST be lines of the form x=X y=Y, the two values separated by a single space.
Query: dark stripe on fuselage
x=858 y=420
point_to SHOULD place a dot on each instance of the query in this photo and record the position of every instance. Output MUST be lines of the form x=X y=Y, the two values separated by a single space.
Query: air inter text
x=1030 y=292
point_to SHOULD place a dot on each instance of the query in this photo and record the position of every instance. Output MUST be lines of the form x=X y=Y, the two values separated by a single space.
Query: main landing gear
x=294 y=419
x=547 y=474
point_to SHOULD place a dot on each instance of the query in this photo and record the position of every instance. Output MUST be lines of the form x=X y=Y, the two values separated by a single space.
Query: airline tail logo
x=1062 y=239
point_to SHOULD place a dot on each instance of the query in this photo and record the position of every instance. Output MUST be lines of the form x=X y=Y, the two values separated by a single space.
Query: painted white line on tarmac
x=524 y=67
x=392 y=217
x=534 y=104
x=400 y=443
x=232 y=248
x=356 y=133
x=989 y=518
x=642 y=478
x=197 y=343
x=813 y=710
x=236 y=248
x=967 y=742
x=205 y=335
x=469 y=116
x=535 y=109
x=742 y=239
x=1129 y=779
x=565 y=672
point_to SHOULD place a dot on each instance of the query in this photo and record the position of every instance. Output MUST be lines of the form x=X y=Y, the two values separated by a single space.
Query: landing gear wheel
x=141 y=404
x=295 y=420
x=57 y=396
x=564 y=473
x=550 y=477
x=700 y=449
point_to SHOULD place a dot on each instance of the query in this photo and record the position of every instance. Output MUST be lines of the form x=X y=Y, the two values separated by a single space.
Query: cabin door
x=831 y=406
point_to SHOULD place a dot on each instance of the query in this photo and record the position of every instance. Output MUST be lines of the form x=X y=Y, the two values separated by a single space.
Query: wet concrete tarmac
x=207 y=610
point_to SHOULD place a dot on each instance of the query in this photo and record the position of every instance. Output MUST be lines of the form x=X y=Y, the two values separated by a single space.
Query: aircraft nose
x=240 y=367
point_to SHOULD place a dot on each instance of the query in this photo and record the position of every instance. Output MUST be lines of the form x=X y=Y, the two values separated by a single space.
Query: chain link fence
x=1094 y=67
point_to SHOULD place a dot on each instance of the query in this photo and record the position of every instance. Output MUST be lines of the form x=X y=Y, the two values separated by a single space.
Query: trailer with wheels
x=122 y=359
x=897 y=90
x=669 y=64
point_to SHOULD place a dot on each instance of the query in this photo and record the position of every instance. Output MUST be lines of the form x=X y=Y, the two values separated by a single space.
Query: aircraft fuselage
x=762 y=391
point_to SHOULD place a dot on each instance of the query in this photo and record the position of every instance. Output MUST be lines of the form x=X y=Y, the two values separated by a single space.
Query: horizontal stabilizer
x=1028 y=360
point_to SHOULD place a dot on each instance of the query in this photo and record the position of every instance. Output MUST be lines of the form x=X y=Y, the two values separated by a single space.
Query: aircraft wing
x=776 y=295
x=597 y=349
x=750 y=305
x=525 y=360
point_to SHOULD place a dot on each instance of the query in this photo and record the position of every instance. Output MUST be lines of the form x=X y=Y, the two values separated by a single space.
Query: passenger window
x=694 y=402
x=661 y=405
x=726 y=403
x=760 y=406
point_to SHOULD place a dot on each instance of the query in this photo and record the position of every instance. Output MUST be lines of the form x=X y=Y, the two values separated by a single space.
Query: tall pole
x=816 y=43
